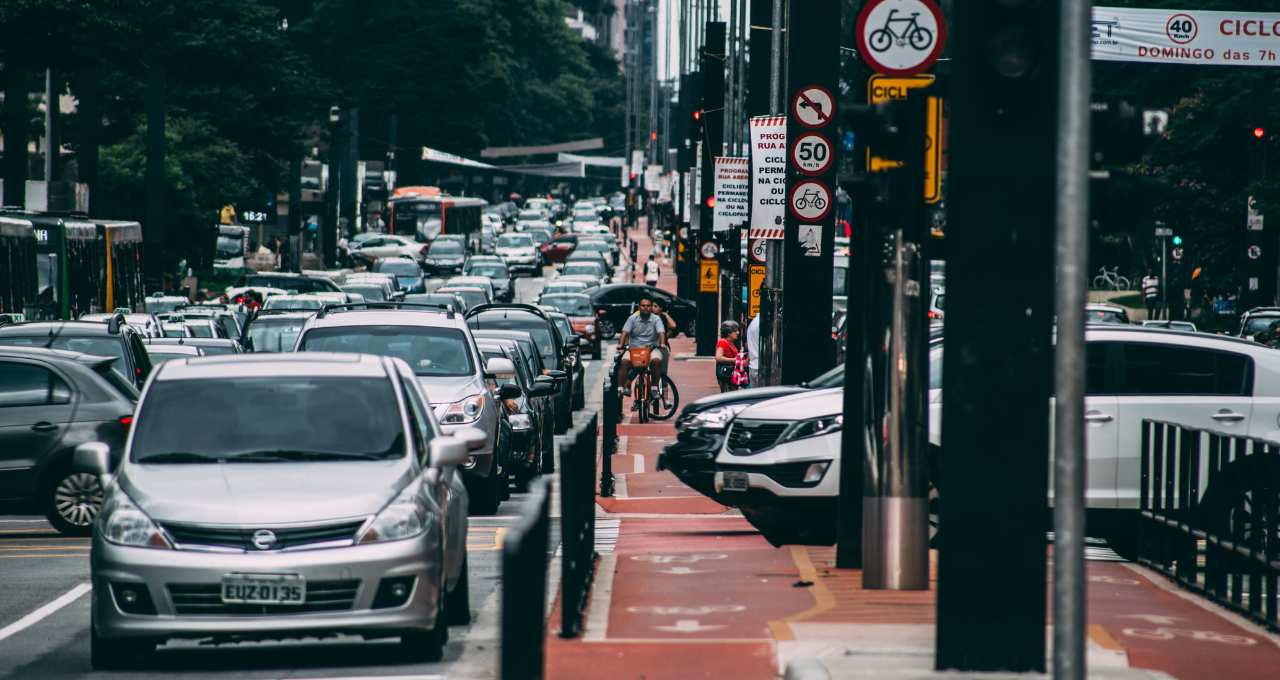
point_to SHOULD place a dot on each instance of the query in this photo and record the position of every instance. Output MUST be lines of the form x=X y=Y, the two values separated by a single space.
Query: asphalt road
x=44 y=611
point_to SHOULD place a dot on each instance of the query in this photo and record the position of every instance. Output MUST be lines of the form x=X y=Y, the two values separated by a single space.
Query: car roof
x=194 y=342
x=1104 y=306
x=321 y=364
x=1104 y=331
x=71 y=328
x=567 y=295
x=346 y=318
x=53 y=354
x=175 y=348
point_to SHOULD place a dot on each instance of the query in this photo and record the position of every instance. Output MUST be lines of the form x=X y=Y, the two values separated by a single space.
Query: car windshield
x=102 y=346
x=492 y=270
x=832 y=378
x=1258 y=324
x=274 y=335
x=370 y=293
x=268 y=420
x=445 y=248
x=428 y=351
x=1104 y=316
x=573 y=305
x=229 y=246
x=535 y=327
x=399 y=267
x=201 y=330
x=515 y=241
x=539 y=236
x=432 y=299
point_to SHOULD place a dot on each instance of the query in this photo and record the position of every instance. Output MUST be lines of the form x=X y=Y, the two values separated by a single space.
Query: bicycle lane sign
x=810 y=200
x=901 y=37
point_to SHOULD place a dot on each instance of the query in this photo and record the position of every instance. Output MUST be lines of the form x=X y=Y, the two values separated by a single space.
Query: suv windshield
x=573 y=305
x=274 y=335
x=515 y=241
x=428 y=351
x=103 y=346
x=269 y=419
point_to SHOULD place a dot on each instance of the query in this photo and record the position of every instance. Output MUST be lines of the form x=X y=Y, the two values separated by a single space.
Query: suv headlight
x=521 y=421
x=404 y=517
x=714 y=419
x=124 y=523
x=814 y=427
x=461 y=412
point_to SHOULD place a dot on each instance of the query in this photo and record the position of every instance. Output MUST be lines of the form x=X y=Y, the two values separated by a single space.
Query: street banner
x=637 y=162
x=686 y=182
x=626 y=175
x=732 y=178
x=768 y=176
x=695 y=215
x=1186 y=36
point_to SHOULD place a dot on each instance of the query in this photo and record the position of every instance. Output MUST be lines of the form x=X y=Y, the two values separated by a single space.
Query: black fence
x=524 y=588
x=1209 y=515
x=577 y=519
x=611 y=406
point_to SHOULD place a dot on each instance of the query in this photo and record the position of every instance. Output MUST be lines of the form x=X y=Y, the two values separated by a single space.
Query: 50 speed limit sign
x=811 y=154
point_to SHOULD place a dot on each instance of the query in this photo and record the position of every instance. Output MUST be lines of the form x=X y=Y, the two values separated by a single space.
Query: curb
x=806 y=669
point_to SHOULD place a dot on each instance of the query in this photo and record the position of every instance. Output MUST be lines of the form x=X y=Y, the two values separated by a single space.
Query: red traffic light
x=1259 y=132
x=697 y=115
x=711 y=201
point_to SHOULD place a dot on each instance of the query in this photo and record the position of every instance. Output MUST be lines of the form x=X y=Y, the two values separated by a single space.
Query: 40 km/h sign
x=810 y=200
x=811 y=154
x=900 y=37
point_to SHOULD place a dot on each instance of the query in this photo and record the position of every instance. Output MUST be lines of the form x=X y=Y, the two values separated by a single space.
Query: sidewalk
x=692 y=591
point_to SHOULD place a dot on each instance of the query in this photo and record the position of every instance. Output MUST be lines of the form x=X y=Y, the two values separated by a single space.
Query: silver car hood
x=448 y=390
x=264 y=493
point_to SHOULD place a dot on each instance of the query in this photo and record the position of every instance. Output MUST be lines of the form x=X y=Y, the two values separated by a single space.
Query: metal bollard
x=609 y=436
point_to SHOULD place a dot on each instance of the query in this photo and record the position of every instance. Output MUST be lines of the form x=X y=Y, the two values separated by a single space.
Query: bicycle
x=1110 y=280
x=811 y=196
x=884 y=37
x=657 y=404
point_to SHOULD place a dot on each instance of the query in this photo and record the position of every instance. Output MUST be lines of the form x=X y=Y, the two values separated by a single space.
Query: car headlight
x=714 y=419
x=814 y=427
x=404 y=517
x=124 y=523
x=813 y=474
x=465 y=411
x=521 y=421
x=590 y=328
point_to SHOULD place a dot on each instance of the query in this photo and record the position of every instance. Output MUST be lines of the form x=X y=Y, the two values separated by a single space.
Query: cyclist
x=643 y=329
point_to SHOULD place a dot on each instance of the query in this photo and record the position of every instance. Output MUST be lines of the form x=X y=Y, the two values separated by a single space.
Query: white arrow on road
x=1158 y=619
x=687 y=626
x=682 y=571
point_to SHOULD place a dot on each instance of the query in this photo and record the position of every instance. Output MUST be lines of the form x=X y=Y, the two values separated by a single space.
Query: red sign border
x=795 y=106
x=791 y=206
x=831 y=153
x=923 y=66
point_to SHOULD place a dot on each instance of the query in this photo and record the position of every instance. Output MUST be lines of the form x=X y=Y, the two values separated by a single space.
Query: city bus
x=17 y=267
x=427 y=212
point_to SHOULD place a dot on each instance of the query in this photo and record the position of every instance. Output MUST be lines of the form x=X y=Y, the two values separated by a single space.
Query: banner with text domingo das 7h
x=1186 y=36
x=768 y=176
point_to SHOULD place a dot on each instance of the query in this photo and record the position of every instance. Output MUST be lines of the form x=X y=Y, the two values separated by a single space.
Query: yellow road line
x=1100 y=635
x=496 y=544
x=823 y=599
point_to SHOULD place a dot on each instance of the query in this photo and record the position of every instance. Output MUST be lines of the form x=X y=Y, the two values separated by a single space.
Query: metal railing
x=1210 y=515
x=577 y=519
x=524 y=588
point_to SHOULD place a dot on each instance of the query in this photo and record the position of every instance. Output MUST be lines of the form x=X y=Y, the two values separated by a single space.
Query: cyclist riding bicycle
x=643 y=330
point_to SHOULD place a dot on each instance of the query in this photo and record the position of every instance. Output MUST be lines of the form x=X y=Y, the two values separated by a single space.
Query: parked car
x=374 y=543
x=530 y=412
x=406 y=270
x=439 y=349
x=388 y=245
x=614 y=303
x=549 y=344
x=115 y=339
x=50 y=402
x=573 y=349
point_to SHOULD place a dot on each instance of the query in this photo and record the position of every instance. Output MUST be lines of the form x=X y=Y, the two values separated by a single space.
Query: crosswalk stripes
x=607 y=535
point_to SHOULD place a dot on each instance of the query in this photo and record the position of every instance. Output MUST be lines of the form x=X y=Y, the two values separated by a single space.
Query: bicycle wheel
x=1099 y=282
x=666 y=402
x=1123 y=283
x=641 y=397
x=880 y=40
x=920 y=38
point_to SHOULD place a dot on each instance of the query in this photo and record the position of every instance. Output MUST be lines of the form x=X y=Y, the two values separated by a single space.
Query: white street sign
x=900 y=37
x=811 y=239
x=768 y=176
x=732 y=184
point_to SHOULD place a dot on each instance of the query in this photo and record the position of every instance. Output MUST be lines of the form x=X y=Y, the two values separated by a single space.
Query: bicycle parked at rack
x=1110 y=279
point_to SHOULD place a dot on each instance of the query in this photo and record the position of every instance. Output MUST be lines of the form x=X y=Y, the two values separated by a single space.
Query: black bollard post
x=609 y=437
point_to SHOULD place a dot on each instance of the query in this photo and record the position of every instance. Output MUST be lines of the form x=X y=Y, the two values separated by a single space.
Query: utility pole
x=713 y=134
x=351 y=161
x=51 y=143
x=17 y=128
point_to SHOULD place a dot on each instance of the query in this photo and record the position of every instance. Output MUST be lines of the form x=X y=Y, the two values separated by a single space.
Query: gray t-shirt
x=643 y=332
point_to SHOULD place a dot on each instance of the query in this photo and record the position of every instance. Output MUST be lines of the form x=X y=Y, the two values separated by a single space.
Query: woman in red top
x=726 y=355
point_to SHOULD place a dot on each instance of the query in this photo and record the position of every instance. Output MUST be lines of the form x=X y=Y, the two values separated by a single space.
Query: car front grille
x=206 y=599
x=241 y=538
x=754 y=436
x=790 y=475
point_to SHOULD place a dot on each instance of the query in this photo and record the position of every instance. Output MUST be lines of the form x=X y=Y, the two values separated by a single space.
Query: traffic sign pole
x=713 y=55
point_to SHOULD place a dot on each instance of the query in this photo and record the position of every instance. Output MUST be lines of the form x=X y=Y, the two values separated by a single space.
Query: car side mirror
x=93 y=458
x=542 y=388
x=473 y=437
x=499 y=367
x=509 y=391
x=556 y=374
x=446 y=450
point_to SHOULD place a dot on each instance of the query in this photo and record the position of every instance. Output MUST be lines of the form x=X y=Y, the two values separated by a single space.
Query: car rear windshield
x=274 y=335
x=399 y=267
x=538 y=328
x=428 y=351
x=370 y=293
x=445 y=247
x=492 y=270
x=581 y=268
x=104 y=346
x=515 y=241
x=1258 y=324
x=118 y=383
x=573 y=305
x=267 y=420
x=300 y=284
x=292 y=304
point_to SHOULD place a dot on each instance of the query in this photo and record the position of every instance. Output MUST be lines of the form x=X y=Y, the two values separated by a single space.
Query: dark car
x=574 y=350
x=537 y=366
x=615 y=302
x=701 y=427
x=445 y=257
x=287 y=281
x=50 y=402
x=497 y=272
x=553 y=347
x=407 y=272
x=208 y=346
x=529 y=413
x=274 y=331
x=114 y=339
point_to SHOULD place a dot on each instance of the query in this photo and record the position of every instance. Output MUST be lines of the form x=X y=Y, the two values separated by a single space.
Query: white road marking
x=686 y=559
x=43 y=612
x=687 y=626
x=702 y=610
x=681 y=571
x=1158 y=580
x=639 y=463
x=433 y=676
x=597 y=628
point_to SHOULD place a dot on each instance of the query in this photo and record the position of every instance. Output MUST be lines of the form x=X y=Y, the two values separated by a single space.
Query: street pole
x=770 y=294
x=713 y=62
x=1164 y=278
x=50 y=137
x=1072 y=253
x=17 y=125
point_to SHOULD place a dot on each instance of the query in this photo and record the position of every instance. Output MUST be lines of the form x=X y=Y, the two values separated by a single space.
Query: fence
x=524 y=588
x=1209 y=506
x=577 y=519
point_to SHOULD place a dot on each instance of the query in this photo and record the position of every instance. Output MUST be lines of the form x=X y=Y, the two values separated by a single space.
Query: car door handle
x=1228 y=416
x=1098 y=417
x=44 y=426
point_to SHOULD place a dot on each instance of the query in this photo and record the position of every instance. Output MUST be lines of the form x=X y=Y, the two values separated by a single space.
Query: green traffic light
x=1177 y=240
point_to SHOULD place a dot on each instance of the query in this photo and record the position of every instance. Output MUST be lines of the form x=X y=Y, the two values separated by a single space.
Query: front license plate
x=735 y=481
x=264 y=589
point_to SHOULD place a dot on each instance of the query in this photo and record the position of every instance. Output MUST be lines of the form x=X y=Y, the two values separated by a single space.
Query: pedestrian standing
x=651 y=271
x=753 y=351
x=1151 y=294
x=727 y=355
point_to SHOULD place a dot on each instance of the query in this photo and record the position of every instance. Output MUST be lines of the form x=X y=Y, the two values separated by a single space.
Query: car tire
x=459 y=598
x=537 y=271
x=606 y=329
x=118 y=654
x=486 y=495
x=548 y=459
x=428 y=645
x=71 y=500
x=579 y=396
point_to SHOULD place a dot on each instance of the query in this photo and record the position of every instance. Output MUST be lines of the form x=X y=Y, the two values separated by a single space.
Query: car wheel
x=579 y=396
x=460 y=598
x=72 y=501
x=486 y=495
x=428 y=645
x=119 y=653
x=548 y=453
x=607 y=331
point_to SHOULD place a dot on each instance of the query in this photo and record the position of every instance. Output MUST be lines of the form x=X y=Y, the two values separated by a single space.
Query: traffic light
x=1259 y=132
x=1257 y=154
x=697 y=115
x=1177 y=240
x=711 y=201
